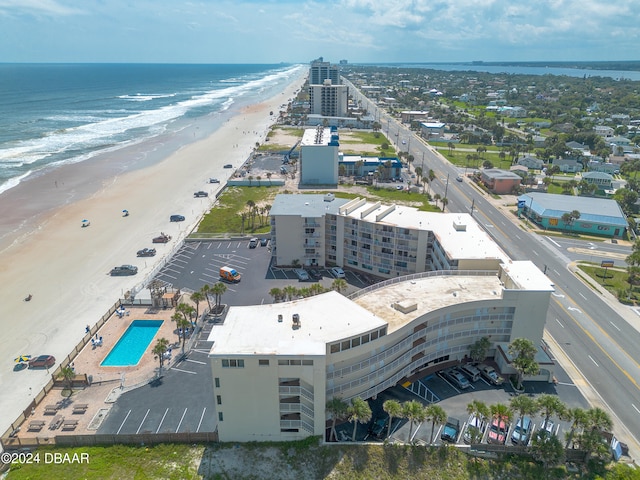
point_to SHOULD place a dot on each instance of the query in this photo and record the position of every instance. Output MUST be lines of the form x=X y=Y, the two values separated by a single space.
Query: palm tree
x=206 y=291
x=578 y=417
x=394 y=410
x=68 y=374
x=339 y=285
x=524 y=405
x=269 y=174
x=197 y=297
x=437 y=197
x=445 y=202
x=359 y=412
x=414 y=411
x=523 y=352
x=290 y=292
x=337 y=409
x=549 y=405
x=181 y=325
x=218 y=290
x=276 y=293
x=480 y=410
x=501 y=412
x=250 y=178
x=437 y=415
x=187 y=311
x=159 y=349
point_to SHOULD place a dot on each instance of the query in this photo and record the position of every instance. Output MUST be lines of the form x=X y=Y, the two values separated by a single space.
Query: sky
x=292 y=31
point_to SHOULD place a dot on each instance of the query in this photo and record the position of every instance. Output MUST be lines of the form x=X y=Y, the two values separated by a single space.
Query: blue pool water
x=133 y=343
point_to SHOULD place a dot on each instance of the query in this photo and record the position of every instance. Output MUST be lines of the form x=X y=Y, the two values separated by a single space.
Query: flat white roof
x=326 y=318
x=316 y=136
x=469 y=243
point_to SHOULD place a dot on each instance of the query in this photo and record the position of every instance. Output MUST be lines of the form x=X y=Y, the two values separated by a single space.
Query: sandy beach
x=66 y=267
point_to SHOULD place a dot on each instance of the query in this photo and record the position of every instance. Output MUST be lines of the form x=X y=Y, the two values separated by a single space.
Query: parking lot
x=198 y=263
x=454 y=401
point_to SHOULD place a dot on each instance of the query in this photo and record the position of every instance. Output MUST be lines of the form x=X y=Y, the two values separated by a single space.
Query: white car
x=337 y=272
x=302 y=275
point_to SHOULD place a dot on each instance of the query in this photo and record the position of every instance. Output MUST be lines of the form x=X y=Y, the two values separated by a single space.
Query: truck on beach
x=230 y=274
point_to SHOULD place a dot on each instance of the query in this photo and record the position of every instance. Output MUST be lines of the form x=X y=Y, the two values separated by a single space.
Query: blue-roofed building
x=598 y=216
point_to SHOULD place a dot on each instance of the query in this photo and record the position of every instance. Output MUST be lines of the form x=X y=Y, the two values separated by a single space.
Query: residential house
x=603 y=131
x=531 y=162
x=568 y=165
x=602 y=180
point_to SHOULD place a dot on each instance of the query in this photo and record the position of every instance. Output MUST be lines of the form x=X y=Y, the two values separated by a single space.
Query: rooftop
x=307 y=205
x=325 y=318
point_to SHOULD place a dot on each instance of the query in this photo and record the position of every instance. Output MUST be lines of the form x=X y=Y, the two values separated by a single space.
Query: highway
x=595 y=334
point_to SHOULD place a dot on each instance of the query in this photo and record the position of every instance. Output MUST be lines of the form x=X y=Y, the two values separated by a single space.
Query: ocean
x=56 y=114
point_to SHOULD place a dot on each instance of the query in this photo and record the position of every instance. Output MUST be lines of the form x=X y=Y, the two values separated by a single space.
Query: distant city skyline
x=291 y=31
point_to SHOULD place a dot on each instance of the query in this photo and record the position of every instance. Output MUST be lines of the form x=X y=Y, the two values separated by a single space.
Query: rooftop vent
x=329 y=197
x=405 y=306
x=296 y=321
x=279 y=318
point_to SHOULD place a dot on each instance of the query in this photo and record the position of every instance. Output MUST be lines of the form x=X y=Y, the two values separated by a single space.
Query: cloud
x=37 y=7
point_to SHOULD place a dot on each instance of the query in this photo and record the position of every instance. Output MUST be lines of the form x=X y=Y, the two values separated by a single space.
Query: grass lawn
x=288 y=460
x=375 y=139
x=225 y=217
x=615 y=282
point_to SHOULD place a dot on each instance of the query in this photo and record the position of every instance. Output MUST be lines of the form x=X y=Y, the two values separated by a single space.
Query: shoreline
x=45 y=252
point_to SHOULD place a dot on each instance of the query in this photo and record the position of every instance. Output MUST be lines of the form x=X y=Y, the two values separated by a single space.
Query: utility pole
x=473 y=202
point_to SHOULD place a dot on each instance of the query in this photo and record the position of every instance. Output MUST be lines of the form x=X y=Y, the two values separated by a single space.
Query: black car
x=314 y=274
x=228 y=165
x=264 y=242
x=176 y=218
x=378 y=428
x=147 y=252
x=123 y=270
x=214 y=180
x=201 y=193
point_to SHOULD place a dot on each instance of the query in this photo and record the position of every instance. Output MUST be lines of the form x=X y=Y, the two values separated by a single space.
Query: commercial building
x=500 y=181
x=321 y=71
x=598 y=216
x=319 y=156
x=276 y=365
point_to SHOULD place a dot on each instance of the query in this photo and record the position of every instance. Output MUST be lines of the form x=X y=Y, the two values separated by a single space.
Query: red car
x=498 y=431
x=42 y=361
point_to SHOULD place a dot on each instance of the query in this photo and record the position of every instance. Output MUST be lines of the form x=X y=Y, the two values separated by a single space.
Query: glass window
x=335 y=348
x=307 y=362
x=217 y=382
x=365 y=338
x=374 y=335
x=263 y=363
x=219 y=399
x=355 y=342
x=225 y=363
x=240 y=363
x=346 y=345
x=295 y=362
x=220 y=416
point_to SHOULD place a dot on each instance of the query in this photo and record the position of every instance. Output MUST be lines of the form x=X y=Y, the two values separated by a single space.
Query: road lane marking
x=195 y=361
x=636 y=408
x=142 y=422
x=184 y=371
x=593 y=361
x=579 y=293
x=122 y=424
x=614 y=325
x=181 y=419
x=554 y=242
x=165 y=414
x=536 y=253
x=556 y=271
x=559 y=323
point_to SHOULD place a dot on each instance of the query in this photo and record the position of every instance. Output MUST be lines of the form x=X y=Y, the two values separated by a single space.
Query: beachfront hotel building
x=321 y=71
x=276 y=365
x=319 y=156
x=328 y=99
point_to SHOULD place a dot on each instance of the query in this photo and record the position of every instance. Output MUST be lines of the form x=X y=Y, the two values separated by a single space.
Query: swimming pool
x=133 y=343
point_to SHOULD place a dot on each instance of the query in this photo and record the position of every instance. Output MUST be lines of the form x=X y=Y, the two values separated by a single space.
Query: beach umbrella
x=125 y=211
x=85 y=221
x=22 y=358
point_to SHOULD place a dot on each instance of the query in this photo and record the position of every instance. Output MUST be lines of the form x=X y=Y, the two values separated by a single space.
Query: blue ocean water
x=53 y=114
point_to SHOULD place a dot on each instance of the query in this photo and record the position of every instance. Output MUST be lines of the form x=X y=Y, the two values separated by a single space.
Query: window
x=220 y=416
x=365 y=338
x=307 y=362
x=355 y=342
x=346 y=345
x=374 y=335
x=232 y=363
x=217 y=382
x=219 y=399
x=335 y=348
x=263 y=363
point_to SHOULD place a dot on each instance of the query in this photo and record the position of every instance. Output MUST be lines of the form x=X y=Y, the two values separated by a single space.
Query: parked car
x=522 y=432
x=337 y=272
x=176 y=218
x=498 y=431
x=253 y=243
x=314 y=274
x=228 y=165
x=146 y=252
x=302 y=275
x=378 y=428
x=123 y=270
x=457 y=378
x=264 y=242
x=214 y=180
x=474 y=430
x=451 y=430
x=490 y=375
x=200 y=193
x=42 y=361
x=471 y=371
x=547 y=429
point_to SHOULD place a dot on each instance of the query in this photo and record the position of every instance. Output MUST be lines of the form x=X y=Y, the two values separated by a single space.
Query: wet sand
x=45 y=252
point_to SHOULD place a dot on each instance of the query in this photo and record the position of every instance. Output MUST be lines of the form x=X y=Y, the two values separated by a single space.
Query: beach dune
x=66 y=267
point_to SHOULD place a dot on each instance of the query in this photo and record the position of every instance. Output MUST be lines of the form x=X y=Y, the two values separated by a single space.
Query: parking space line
x=162 y=420
x=183 y=371
x=142 y=422
x=122 y=424
x=181 y=419
x=201 y=419
x=195 y=361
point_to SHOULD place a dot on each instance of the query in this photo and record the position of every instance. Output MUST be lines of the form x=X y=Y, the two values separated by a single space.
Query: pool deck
x=84 y=411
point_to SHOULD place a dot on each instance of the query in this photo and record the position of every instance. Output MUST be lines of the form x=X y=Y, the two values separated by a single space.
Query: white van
x=471 y=372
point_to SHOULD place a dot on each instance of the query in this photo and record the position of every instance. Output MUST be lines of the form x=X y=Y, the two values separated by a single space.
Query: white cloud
x=37 y=7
